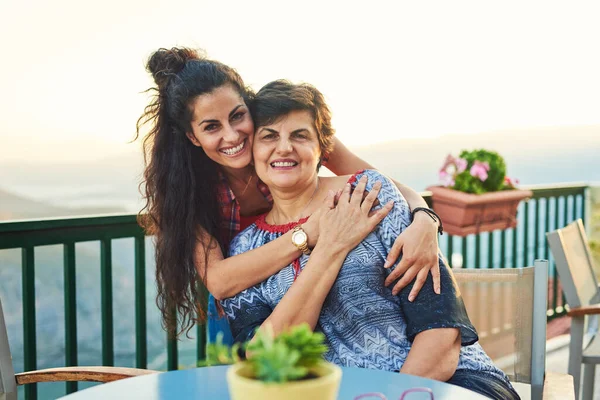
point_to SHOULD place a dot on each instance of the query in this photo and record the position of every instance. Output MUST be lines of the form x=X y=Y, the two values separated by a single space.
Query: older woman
x=338 y=287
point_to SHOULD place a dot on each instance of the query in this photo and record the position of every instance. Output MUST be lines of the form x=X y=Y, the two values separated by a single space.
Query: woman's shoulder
x=372 y=174
x=388 y=190
x=353 y=179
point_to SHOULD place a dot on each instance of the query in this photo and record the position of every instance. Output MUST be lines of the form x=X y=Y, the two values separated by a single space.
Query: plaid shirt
x=230 y=208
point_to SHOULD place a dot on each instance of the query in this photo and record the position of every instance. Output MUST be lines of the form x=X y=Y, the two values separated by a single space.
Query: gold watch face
x=299 y=238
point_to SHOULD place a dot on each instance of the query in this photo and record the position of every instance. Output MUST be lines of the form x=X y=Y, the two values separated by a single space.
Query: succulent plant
x=286 y=357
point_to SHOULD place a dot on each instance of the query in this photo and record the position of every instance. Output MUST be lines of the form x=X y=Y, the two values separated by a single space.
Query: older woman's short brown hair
x=278 y=98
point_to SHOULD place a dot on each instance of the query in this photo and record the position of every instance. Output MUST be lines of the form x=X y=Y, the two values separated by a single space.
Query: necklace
x=247 y=183
x=309 y=201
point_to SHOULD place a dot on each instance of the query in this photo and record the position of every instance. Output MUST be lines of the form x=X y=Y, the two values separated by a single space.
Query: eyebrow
x=214 y=120
x=301 y=130
x=275 y=131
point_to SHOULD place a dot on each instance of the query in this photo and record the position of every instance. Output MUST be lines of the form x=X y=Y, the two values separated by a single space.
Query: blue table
x=210 y=383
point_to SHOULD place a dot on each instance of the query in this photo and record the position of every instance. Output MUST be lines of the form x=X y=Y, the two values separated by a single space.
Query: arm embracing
x=418 y=243
x=227 y=277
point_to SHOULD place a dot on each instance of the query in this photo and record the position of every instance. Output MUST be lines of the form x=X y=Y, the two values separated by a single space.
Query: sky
x=72 y=72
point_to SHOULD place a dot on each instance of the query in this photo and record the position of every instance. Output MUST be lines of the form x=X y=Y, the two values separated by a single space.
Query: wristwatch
x=300 y=239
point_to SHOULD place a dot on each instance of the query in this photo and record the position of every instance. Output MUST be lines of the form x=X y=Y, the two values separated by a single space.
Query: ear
x=192 y=138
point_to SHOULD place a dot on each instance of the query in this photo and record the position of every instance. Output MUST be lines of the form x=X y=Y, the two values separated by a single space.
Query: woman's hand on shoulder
x=419 y=247
x=345 y=224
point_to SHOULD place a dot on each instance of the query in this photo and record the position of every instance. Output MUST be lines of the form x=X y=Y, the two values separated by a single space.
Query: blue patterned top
x=364 y=324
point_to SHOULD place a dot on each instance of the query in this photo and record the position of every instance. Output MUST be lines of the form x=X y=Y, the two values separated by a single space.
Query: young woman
x=338 y=288
x=201 y=189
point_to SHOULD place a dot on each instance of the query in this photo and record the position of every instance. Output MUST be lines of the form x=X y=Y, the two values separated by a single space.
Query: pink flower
x=446 y=179
x=510 y=182
x=461 y=164
x=480 y=170
x=447 y=162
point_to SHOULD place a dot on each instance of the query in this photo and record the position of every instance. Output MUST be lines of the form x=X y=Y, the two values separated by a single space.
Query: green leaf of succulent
x=284 y=358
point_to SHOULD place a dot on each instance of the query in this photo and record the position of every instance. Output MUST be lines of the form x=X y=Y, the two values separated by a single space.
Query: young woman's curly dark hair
x=180 y=181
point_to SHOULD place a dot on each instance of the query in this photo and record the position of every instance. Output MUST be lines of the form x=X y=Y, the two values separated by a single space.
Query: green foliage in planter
x=465 y=182
x=284 y=358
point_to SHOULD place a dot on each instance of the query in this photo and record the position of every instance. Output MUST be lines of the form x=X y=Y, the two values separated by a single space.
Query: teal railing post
x=70 y=296
x=526 y=234
x=141 y=347
x=490 y=249
x=464 y=251
x=450 y=249
x=106 y=299
x=478 y=250
x=536 y=253
x=29 y=335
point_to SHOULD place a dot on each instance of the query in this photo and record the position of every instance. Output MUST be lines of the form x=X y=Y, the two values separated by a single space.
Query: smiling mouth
x=232 y=151
x=283 y=164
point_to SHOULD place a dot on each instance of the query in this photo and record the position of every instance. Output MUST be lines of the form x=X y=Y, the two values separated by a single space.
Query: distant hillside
x=18 y=207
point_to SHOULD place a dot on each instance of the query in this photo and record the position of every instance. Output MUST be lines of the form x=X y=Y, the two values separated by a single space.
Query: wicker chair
x=508 y=306
x=574 y=264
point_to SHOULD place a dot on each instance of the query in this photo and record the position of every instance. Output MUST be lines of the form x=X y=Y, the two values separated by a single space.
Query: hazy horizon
x=550 y=155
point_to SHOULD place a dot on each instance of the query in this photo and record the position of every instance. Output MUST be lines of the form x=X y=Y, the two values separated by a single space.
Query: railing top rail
x=82 y=228
x=66 y=222
x=53 y=231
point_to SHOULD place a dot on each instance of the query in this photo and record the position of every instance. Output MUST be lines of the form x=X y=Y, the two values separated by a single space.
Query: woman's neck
x=238 y=175
x=291 y=204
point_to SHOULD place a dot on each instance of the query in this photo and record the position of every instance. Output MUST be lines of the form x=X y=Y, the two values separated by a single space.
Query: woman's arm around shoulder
x=226 y=277
x=418 y=243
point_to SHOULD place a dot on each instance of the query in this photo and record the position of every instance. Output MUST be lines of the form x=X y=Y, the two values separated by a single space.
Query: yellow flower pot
x=325 y=387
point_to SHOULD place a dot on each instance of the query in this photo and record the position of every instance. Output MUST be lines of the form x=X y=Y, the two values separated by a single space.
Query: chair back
x=8 y=384
x=574 y=264
x=513 y=302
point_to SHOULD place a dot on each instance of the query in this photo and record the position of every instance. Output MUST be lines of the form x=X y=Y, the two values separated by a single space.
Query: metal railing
x=551 y=207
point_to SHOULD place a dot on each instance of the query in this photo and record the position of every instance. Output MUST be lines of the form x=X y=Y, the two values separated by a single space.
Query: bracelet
x=432 y=214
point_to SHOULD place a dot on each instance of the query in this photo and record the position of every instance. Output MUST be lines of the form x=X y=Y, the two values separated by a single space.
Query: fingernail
x=411 y=298
x=394 y=292
x=377 y=184
x=437 y=290
x=387 y=264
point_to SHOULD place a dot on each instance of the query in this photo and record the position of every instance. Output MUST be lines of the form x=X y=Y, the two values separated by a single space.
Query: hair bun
x=164 y=63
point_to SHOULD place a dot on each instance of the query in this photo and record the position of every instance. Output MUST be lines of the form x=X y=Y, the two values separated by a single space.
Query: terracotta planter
x=325 y=387
x=463 y=213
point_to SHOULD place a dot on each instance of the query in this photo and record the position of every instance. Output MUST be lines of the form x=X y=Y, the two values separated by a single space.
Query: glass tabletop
x=210 y=383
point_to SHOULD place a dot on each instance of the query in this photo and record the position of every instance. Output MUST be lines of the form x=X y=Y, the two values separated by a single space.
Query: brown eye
x=237 y=116
x=210 y=127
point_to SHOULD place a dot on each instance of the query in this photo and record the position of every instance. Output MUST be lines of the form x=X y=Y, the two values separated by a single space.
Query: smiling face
x=222 y=126
x=287 y=152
